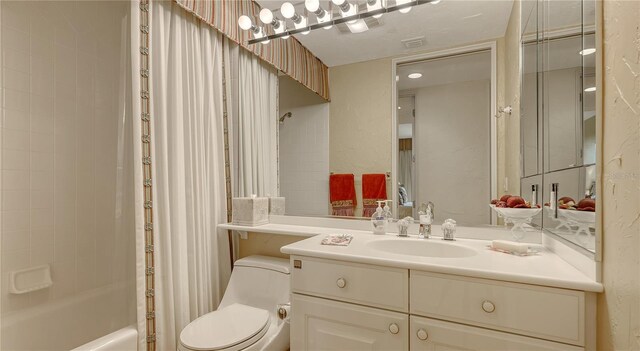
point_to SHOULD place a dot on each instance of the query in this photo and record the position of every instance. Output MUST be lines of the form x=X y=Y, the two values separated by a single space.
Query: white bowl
x=582 y=217
x=516 y=213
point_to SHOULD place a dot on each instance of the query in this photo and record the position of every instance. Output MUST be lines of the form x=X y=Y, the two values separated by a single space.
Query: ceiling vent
x=370 y=21
x=413 y=43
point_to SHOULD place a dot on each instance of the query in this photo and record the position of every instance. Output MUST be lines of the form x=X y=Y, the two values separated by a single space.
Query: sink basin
x=424 y=248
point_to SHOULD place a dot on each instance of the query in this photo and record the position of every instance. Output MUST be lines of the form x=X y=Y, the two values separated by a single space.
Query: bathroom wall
x=619 y=306
x=303 y=150
x=60 y=169
x=360 y=120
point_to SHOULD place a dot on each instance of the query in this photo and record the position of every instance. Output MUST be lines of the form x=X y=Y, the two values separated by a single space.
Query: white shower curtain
x=192 y=259
x=253 y=87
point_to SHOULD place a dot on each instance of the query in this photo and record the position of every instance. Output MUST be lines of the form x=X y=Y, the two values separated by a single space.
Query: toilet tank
x=258 y=281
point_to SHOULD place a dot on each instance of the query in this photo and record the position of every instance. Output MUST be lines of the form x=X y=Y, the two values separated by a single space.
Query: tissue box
x=250 y=211
x=276 y=206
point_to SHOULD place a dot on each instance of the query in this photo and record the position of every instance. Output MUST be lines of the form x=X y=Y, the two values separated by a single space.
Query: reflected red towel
x=342 y=191
x=374 y=188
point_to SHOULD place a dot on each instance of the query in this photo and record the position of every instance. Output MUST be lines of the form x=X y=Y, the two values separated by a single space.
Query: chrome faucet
x=426 y=216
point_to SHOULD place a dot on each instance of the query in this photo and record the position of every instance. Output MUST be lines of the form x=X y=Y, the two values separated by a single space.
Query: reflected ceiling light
x=415 y=75
x=588 y=51
x=346 y=9
x=373 y=5
x=402 y=2
x=435 y=2
x=358 y=26
x=322 y=15
x=289 y=11
x=397 y=78
x=590 y=89
x=399 y=108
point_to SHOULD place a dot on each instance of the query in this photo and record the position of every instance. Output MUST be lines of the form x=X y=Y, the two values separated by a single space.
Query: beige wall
x=508 y=93
x=619 y=306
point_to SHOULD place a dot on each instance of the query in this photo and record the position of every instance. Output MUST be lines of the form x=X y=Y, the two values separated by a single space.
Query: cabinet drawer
x=547 y=313
x=352 y=282
x=319 y=324
x=429 y=334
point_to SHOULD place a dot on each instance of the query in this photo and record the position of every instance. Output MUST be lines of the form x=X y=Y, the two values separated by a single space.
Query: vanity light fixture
x=245 y=23
x=415 y=75
x=350 y=15
x=288 y=11
x=322 y=15
x=404 y=9
x=346 y=9
x=590 y=89
x=588 y=51
x=266 y=16
x=374 y=5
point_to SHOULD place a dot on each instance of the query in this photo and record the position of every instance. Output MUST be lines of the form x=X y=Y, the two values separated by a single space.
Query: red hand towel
x=374 y=188
x=342 y=191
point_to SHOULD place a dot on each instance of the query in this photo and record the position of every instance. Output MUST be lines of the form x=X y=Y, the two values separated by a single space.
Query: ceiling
x=447 y=24
x=462 y=68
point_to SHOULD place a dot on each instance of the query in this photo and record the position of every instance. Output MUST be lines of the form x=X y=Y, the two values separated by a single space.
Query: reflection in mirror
x=448 y=134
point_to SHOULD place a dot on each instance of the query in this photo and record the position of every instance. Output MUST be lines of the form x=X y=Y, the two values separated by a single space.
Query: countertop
x=544 y=269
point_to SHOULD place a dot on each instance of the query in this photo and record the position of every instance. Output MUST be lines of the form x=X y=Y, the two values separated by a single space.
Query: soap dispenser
x=379 y=220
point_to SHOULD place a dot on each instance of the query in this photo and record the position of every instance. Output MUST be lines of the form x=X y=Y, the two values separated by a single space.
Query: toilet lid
x=224 y=328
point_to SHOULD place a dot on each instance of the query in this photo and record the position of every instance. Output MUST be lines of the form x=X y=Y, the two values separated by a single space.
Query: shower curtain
x=187 y=138
x=253 y=89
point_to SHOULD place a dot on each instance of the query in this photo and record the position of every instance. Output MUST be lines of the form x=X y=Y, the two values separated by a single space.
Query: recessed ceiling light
x=399 y=107
x=358 y=26
x=415 y=75
x=588 y=51
x=590 y=89
x=434 y=2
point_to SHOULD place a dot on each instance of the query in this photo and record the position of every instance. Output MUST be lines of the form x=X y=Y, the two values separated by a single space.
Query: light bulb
x=244 y=22
x=266 y=16
x=338 y=2
x=312 y=5
x=287 y=10
x=435 y=2
x=588 y=51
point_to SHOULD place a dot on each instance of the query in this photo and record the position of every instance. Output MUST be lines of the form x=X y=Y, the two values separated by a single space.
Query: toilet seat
x=232 y=328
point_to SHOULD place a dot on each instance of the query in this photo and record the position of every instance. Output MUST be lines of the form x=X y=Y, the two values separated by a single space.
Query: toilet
x=247 y=318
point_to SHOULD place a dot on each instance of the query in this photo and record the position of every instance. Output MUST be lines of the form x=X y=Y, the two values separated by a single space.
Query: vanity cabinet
x=338 y=305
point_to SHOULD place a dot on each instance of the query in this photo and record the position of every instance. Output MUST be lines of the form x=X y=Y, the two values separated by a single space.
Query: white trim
x=489 y=45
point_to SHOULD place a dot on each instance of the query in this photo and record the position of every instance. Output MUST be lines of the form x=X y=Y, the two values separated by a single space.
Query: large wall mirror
x=455 y=103
x=559 y=115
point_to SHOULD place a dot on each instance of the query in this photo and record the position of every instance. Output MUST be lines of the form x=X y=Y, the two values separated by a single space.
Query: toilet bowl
x=247 y=317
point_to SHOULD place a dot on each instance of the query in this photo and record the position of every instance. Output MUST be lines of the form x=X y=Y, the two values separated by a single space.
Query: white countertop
x=545 y=268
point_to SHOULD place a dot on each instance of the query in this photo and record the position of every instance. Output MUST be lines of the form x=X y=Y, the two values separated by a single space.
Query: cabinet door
x=430 y=334
x=320 y=324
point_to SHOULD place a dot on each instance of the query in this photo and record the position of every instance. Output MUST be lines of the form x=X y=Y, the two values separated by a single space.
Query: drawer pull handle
x=488 y=306
x=393 y=328
x=422 y=334
x=341 y=283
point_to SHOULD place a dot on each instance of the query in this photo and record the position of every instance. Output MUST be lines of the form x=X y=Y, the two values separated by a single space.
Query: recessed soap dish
x=30 y=279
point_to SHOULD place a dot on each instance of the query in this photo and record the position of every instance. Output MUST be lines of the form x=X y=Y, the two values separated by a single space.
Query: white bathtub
x=77 y=320
x=125 y=339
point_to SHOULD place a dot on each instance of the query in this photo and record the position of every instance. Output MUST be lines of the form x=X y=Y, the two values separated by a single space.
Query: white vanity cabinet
x=338 y=305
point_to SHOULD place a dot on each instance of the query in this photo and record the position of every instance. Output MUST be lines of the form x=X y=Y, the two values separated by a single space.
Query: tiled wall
x=60 y=110
x=304 y=160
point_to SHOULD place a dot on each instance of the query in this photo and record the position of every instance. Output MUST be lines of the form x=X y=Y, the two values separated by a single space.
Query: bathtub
x=81 y=319
x=125 y=339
